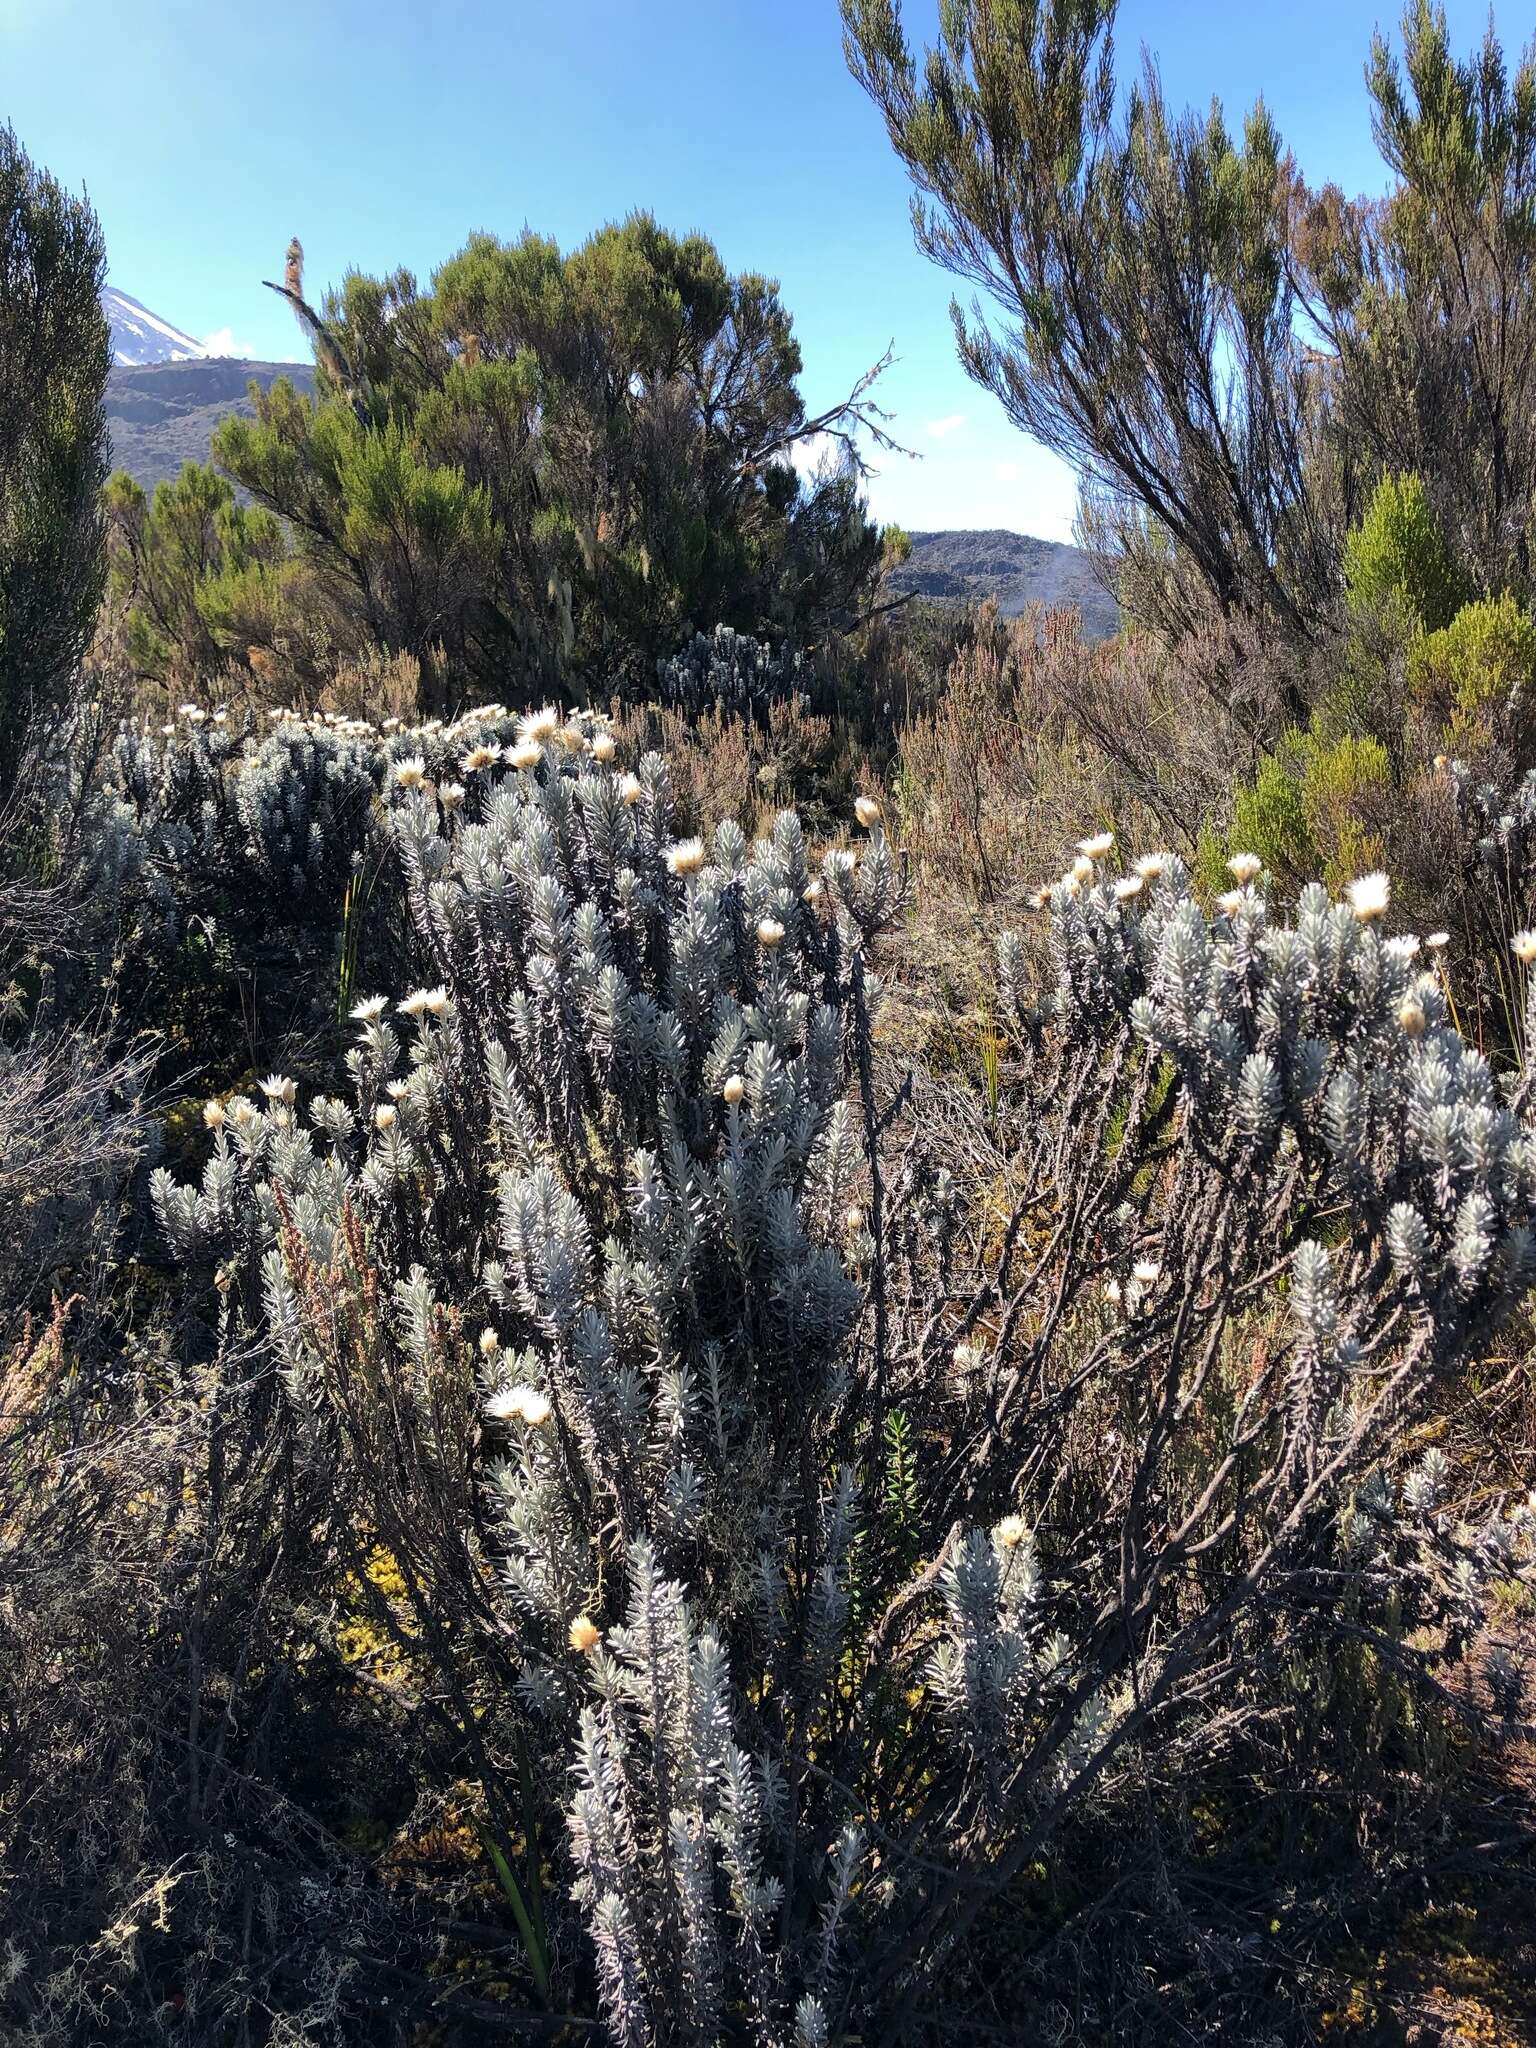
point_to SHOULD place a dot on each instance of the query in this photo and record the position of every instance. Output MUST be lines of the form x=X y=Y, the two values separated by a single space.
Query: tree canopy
x=53 y=371
x=1230 y=360
x=543 y=466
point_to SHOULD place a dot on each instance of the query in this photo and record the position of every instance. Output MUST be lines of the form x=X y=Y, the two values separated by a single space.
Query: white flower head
x=525 y=755
x=867 y=811
x=1145 y=1272
x=1369 y=896
x=1082 y=869
x=213 y=1115
x=1230 y=903
x=490 y=1343
x=1412 y=1018
x=1437 y=942
x=1127 y=887
x=369 y=1009
x=519 y=1404
x=278 y=1088
x=384 y=1116
x=1096 y=847
x=604 y=747
x=411 y=773
x=1011 y=1531
x=631 y=789
x=770 y=933
x=1244 y=867
x=478 y=759
x=686 y=857
x=1151 y=865
x=734 y=1089
x=539 y=725
x=1523 y=946
x=450 y=795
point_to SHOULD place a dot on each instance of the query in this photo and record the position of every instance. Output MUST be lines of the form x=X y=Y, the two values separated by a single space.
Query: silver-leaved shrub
x=839 y=1488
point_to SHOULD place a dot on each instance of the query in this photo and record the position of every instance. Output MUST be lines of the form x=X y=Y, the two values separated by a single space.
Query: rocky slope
x=163 y=414
x=1017 y=569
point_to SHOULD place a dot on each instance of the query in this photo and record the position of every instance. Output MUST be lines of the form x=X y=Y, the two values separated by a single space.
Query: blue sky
x=384 y=131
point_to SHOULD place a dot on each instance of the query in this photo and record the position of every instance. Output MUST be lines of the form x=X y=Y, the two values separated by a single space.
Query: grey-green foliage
x=1336 y=1136
x=278 y=819
x=605 y=1181
x=1321 y=1049
x=660 y=1769
x=653 y=1038
x=733 y=671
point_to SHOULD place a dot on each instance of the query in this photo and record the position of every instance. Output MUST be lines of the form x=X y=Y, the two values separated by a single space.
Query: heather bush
x=1397 y=557
x=1474 y=681
x=1316 y=808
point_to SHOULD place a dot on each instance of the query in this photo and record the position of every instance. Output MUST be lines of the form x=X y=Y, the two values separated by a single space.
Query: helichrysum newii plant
x=610 y=1128
x=267 y=818
x=730 y=670
x=611 y=1290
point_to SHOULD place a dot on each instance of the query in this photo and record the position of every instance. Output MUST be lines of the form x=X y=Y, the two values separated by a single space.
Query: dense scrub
x=622 y=1480
x=829 y=1342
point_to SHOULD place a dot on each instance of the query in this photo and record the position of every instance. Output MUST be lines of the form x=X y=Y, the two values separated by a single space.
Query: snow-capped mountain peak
x=139 y=336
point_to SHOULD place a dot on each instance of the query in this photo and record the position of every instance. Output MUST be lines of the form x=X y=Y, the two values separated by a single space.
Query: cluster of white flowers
x=604 y=1006
x=663 y=1326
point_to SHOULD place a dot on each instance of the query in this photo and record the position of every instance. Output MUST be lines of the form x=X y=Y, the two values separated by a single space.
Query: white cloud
x=1027 y=491
x=947 y=425
x=222 y=342
x=816 y=453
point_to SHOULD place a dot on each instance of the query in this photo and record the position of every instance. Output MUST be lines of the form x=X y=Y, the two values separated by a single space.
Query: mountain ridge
x=160 y=415
x=140 y=338
x=962 y=565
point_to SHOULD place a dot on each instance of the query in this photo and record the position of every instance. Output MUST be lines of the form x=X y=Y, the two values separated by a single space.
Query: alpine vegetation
x=731 y=671
x=819 y=1333
x=608 y=1292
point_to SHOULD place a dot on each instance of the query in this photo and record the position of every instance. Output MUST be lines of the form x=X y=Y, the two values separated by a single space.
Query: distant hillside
x=1017 y=569
x=163 y=414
